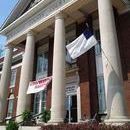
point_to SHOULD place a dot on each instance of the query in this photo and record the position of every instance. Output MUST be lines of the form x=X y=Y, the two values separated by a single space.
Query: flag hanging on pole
x=81 y=44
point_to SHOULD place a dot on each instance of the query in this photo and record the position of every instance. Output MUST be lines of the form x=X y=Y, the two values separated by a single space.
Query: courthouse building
x=96 y=83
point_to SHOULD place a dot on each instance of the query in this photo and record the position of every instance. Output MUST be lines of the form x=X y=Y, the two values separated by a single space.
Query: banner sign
x=71 y=89
x=38 y=85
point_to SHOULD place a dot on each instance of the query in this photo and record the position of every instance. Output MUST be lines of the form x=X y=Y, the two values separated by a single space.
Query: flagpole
x=107 y=59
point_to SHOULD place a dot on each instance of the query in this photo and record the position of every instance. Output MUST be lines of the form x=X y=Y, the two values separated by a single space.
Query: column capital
x=59 y=15
x=30 y=33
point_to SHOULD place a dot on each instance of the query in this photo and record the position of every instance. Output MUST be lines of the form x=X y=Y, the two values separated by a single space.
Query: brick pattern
x=14 y=91
x=124 y=43
x=50 y=63
x=88 y=86
x=87 y=70
x=94 y=106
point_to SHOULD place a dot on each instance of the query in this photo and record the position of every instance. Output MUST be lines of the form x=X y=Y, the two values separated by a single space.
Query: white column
x=58 y=82
x=26 y=75
x=116 y=107
x=5 y=80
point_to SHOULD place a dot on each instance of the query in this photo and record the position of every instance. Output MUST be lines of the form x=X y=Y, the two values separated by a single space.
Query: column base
x=56 y=121
x=117 y=120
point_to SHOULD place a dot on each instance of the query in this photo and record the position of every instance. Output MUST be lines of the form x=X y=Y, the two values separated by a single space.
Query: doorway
x=71 y=108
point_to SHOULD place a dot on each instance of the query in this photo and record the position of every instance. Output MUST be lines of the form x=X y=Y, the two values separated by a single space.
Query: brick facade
x=14 y=91
x=87 y=70
x=124 y=41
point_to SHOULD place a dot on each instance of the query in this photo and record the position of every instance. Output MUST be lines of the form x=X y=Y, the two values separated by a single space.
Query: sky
x=6 y=7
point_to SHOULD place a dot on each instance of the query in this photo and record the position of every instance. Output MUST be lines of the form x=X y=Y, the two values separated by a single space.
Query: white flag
x=81 y=44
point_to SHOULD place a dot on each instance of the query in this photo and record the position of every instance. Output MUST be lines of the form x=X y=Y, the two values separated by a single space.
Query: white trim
x=13 y=71
x=19 y=54
x=14 y=57
x=12 y=86
x=11 y=97
x=26 y=15
x=16 y=66
x=78 y=105
x=34 y=22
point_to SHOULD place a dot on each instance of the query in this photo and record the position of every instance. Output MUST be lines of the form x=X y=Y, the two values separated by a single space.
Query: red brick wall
x=84 y=85
x=88 y=85
x=124 y=43
x=16 y=89
x=15 y=92
x=50 y=63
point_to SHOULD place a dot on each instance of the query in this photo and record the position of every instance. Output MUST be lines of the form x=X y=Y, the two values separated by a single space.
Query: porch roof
x=15 y=20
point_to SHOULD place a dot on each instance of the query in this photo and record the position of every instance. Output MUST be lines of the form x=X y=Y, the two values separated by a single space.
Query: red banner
x=38 y=85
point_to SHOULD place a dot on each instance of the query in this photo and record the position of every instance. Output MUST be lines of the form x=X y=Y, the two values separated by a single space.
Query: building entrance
x=71 y=108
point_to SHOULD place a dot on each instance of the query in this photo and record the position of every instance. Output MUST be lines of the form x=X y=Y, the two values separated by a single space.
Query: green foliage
x=45 y=116
x=26 y=116
x=12 y=125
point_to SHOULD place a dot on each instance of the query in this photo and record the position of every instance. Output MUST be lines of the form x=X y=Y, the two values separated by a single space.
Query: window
x=36 y=103
x=13 y=78
x=2 y=51
x=43 y=100
x=101 y=94
x=42 y=65
x=39 y=102
x=41 y=72
x=70 y=36
x=10 y=106
x=71 y=108
x=98 y=46
x=100 y=76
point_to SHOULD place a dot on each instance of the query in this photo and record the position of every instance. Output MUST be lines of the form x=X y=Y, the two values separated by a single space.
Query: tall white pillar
x=58 y=82
x=5 y=80
x=26 y=75
x=116 y=107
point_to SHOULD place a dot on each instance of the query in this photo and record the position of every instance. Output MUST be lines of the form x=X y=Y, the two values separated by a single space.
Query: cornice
x=16 y=12
x=38 y=15
x=25 y=16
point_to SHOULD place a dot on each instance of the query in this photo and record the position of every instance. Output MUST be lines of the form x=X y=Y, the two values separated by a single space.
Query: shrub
x=85 y=126
x=45 y=116
x=26 y=116
x=12 y=125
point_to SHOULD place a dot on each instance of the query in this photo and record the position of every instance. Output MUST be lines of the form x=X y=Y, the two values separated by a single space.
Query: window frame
x=98 y=75
x=15 y=73
x=10 y=100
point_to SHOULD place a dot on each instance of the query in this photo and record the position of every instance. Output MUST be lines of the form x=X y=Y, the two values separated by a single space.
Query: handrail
x=14 y=117
x=33 y=116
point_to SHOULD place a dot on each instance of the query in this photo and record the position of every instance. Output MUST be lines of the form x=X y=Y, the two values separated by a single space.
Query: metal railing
x=31 y=122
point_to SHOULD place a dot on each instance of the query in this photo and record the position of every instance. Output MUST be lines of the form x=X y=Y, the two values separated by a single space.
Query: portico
x=38 y=23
